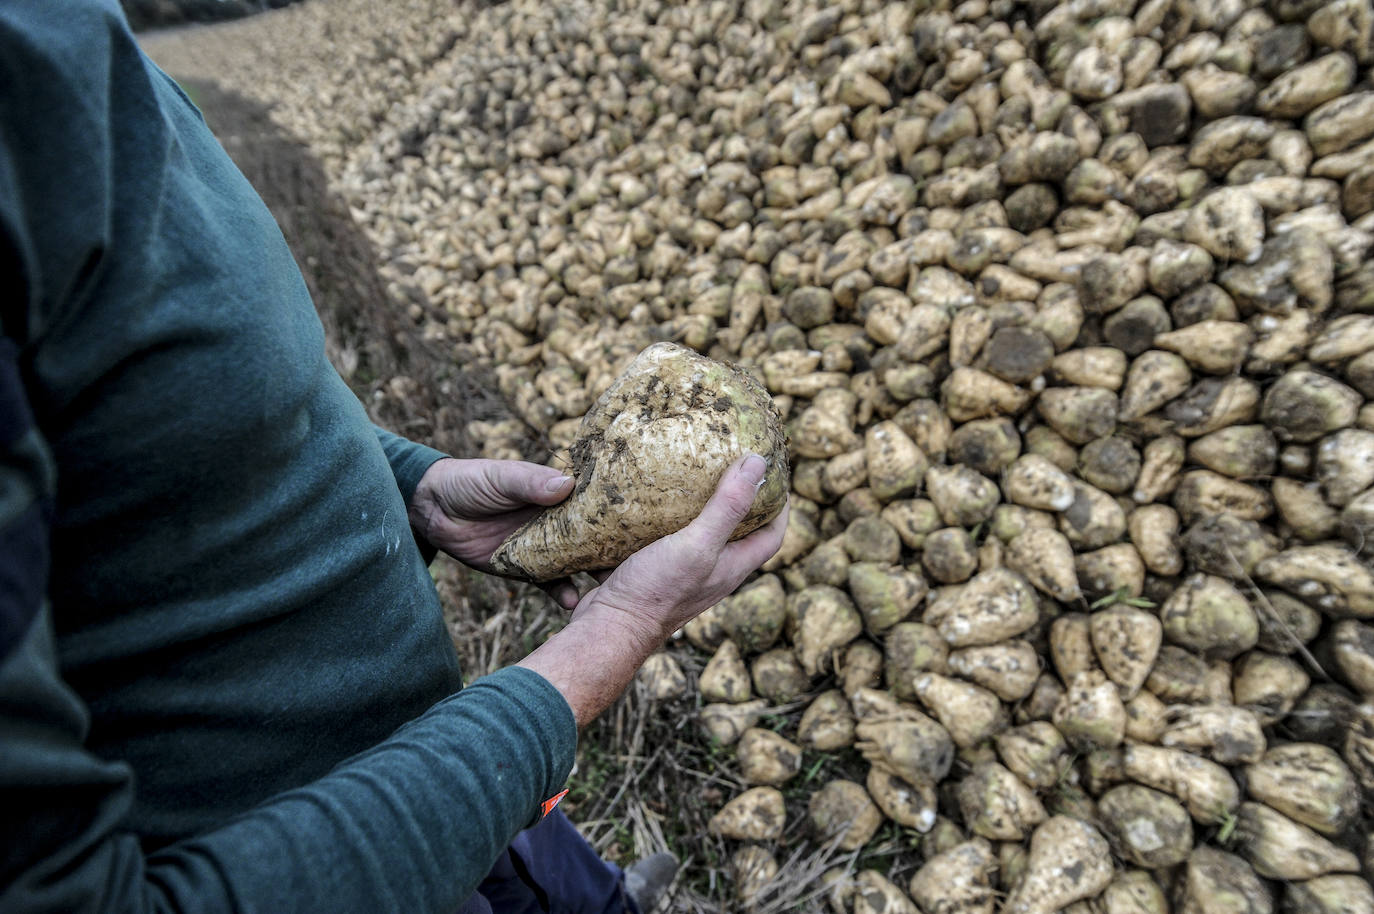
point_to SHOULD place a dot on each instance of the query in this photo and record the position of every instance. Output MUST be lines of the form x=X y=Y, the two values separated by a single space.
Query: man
x=225 y=684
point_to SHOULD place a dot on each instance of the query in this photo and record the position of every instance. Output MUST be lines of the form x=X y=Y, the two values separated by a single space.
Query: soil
x=151 y=14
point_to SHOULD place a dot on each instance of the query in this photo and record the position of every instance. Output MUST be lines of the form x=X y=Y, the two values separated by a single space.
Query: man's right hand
x=670 y=581
x=618 y=624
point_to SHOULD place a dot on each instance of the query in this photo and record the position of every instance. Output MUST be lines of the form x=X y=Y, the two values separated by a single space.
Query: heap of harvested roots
x=1069 y=309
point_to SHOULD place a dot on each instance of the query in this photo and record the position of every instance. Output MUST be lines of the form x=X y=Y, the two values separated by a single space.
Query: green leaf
x=1116 y=596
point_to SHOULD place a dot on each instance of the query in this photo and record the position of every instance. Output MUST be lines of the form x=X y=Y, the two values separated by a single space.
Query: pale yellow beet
x=649 y=455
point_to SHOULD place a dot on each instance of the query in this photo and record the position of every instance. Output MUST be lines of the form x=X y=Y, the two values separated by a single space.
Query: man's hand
x=670 y=581
x=467 y=508
x=617 y=625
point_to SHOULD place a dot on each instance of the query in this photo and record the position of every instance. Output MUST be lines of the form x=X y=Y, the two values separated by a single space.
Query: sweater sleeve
x=411 y=825
x=408 y=460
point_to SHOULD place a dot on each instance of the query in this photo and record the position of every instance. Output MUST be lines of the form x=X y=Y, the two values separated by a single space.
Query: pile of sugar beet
x=1070 y=312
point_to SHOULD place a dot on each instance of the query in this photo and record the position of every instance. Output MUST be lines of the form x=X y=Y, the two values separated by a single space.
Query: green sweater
x=225 y=683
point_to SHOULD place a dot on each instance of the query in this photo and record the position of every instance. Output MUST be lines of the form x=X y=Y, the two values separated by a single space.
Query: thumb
x=516 y=483
x=730 y=503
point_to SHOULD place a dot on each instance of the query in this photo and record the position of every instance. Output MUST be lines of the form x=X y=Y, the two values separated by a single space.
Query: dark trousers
x=551 y=868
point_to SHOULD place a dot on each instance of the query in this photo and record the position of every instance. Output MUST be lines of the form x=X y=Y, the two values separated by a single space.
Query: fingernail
x=558 y=482
x=753 y=469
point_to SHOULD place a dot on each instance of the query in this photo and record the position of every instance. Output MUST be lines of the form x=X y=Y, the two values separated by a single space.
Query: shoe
x=646 y=880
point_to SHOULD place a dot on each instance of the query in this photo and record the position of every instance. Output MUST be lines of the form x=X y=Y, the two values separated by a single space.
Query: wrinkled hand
x=467 y=508
x=662 y=586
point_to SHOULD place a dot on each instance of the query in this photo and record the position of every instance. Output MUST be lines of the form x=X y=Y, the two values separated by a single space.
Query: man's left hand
x=467 y=508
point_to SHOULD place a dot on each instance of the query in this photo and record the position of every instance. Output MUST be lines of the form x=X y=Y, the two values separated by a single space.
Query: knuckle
x=737 y=501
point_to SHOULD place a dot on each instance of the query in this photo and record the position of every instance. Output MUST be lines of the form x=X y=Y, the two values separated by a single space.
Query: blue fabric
x=408 y=460
x=26 y=501
x=551 y=868
x=232 y=689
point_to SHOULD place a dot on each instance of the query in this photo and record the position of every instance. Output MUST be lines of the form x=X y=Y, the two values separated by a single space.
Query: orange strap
x=547 y=806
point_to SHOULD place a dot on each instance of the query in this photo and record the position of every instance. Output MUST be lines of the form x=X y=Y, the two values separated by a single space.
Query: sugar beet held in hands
x=648 y=456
